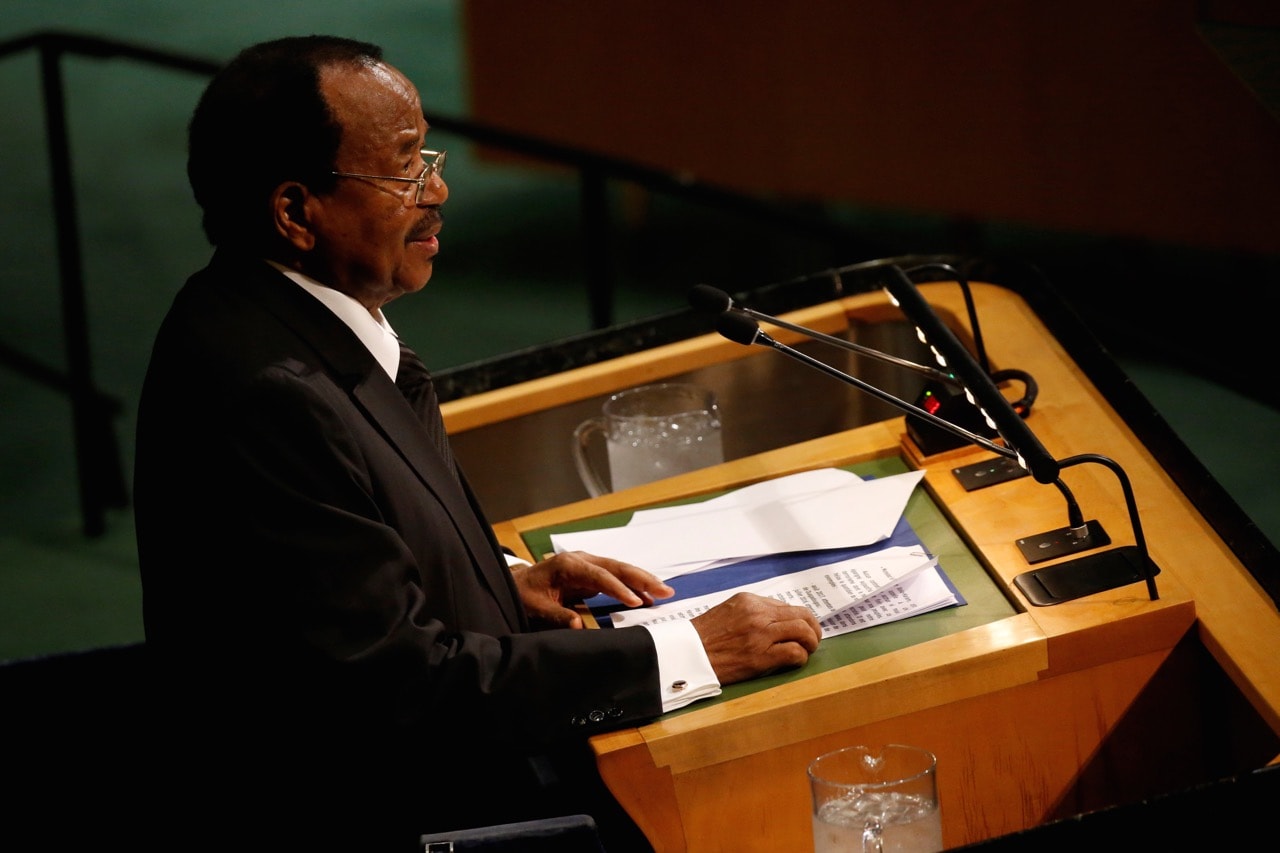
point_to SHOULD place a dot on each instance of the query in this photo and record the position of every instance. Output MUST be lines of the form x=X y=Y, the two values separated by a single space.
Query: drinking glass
x=650 y=432
x=875 y=799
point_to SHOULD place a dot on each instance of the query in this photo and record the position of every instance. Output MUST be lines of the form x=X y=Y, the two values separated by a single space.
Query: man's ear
x=291 y=214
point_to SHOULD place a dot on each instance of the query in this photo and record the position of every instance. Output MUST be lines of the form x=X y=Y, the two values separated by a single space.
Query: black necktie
x=414 y=382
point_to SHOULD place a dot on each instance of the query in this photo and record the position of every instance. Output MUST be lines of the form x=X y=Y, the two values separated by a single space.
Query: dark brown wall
x=1097 y=117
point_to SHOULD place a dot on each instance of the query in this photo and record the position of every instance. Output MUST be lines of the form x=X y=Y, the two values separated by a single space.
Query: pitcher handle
x=581 y=439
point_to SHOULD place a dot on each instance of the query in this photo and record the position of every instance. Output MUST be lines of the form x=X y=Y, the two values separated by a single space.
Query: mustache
x=430 y=222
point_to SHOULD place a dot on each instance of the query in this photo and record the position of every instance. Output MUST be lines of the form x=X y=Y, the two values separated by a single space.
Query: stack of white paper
x=813 y=511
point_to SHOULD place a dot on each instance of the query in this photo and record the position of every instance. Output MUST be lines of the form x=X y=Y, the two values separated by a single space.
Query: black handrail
x=56 y=42
x=101 y=477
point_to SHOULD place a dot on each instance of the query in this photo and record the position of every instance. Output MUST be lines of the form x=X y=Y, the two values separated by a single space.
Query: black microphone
x=713 y=300
x=979 y=387
x=1064 y=581
x=941 y=394
x=740 y=328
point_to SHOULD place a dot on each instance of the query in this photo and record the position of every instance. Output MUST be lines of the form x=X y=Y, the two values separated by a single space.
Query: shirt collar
x=375 y=333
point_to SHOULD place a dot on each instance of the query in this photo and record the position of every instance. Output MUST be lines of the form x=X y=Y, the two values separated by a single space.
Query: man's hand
x=546 y=587
x=751 y=635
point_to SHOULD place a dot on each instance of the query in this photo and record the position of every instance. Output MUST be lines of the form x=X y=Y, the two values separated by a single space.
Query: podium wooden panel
x=1051 y=712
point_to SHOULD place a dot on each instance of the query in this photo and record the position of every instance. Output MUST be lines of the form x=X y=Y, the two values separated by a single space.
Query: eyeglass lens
x=435 y=166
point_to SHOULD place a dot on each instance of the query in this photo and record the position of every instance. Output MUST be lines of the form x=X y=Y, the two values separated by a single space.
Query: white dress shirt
x=684 y=671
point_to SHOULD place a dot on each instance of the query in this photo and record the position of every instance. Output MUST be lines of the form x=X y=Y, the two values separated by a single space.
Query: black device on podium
x=1001 y=421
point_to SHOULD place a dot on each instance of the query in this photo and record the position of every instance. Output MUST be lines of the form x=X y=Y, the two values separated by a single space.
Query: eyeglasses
x=435 y=166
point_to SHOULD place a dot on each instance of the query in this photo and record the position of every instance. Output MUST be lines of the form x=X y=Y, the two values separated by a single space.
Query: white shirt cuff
x=684 y=671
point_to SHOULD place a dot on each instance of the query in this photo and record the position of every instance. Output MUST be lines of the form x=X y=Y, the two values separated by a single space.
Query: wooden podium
x=1046 y=713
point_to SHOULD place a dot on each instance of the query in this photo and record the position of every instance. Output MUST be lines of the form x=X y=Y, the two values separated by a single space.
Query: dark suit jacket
x=326 y=607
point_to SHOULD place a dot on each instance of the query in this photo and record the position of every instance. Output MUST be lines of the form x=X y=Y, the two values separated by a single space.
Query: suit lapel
x=387 y=408
x=377 y=397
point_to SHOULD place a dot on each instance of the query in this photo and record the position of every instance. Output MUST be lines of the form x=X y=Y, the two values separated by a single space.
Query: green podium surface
x=984 y=600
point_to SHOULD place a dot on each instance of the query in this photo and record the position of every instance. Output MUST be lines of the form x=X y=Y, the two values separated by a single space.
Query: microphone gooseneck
x=712 y=300
x=741 y=329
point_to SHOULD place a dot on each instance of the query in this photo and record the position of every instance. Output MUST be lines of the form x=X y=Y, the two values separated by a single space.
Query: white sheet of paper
x=791 y=485
x=921 y=593
x=846 y=596
x=803 y=483
x=774 y=519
